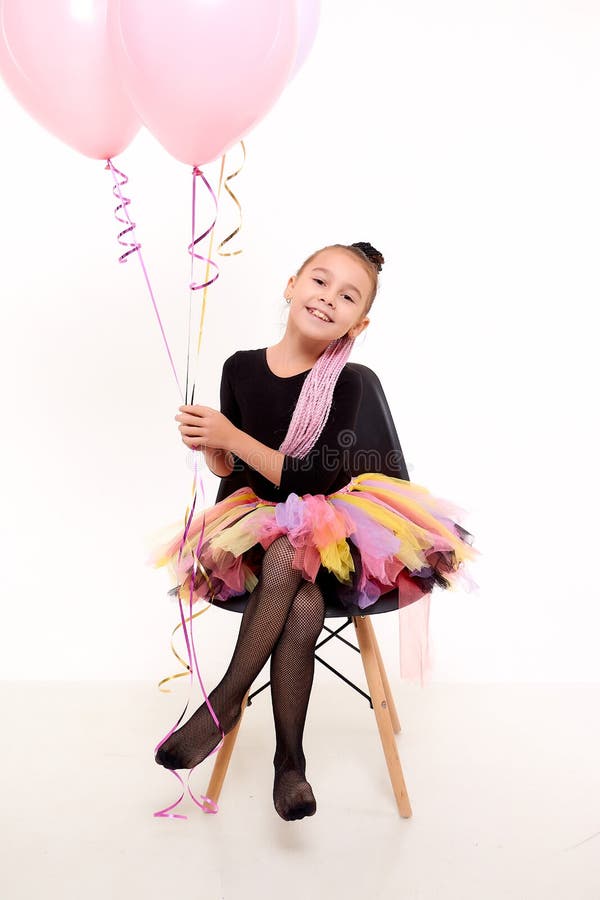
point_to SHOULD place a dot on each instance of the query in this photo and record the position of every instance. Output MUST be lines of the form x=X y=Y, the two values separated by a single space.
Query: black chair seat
x=333 y=607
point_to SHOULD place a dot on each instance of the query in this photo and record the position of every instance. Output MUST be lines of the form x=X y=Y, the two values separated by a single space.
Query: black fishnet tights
x=292 y=671
x=282 y=619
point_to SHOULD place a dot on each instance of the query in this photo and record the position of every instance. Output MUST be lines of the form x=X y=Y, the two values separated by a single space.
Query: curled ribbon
x=207 y=804
x=236 y=201
x=124 y=203
x=133 y=246
x=136 y=247
x=188 y=518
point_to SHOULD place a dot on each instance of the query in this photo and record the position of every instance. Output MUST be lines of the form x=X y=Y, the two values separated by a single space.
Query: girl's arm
x=228 y=437
x=220 y=462
x=264 y=459
x=320 y=468
x=206 y=429
x=219 y=436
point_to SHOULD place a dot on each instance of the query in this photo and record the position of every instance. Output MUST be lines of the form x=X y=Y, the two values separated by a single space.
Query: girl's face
x=335 y=284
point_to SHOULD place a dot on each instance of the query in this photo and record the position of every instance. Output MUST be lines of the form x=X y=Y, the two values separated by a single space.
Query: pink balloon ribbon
x=206 y=801
x=135 y=247
x=122 y=215
x=195 y=240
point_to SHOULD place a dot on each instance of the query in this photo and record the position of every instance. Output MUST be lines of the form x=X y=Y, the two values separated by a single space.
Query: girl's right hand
x=216 y=459
x=202 y=426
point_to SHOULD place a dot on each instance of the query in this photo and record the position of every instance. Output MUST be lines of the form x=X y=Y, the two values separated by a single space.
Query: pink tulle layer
x=376 y=534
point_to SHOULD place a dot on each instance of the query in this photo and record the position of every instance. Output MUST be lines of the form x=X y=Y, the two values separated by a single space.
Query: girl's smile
x=321 y=316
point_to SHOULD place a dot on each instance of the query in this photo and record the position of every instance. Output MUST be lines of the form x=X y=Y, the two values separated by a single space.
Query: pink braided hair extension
x=314 y=403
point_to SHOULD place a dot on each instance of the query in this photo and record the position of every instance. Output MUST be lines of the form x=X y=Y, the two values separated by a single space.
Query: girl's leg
x=292 y=671
x=276 y=589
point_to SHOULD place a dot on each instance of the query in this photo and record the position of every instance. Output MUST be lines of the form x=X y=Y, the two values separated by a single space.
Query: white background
x=460 y=139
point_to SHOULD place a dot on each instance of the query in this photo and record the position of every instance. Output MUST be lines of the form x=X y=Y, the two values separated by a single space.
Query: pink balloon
x=56 y=59
x=201 y=73
x=308 y=12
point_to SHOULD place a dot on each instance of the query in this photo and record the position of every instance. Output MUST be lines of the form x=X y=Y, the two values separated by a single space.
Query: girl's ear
x=358 y=329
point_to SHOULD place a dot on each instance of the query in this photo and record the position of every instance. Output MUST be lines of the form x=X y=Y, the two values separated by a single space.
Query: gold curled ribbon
x=176 y=654
x=212 y=236
x=237 y=203
x=188 y=619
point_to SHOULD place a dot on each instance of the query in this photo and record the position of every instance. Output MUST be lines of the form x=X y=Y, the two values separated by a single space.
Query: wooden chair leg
x=386 y=685
x=221 y=765
x=382 y=714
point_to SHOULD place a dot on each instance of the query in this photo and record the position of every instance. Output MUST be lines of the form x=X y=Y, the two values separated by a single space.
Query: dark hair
x=371 y=253
x=367 y=254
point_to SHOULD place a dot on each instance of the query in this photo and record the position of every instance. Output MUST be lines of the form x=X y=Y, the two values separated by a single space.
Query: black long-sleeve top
x=261 y=403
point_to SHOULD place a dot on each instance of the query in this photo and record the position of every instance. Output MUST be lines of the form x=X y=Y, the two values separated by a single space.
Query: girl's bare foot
x=191 y=744
x=292 y=795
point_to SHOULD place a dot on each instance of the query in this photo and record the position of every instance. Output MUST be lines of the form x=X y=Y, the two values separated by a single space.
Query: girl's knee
x=308 y=606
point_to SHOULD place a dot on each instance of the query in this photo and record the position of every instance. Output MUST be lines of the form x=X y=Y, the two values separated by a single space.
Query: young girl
x=286 y=413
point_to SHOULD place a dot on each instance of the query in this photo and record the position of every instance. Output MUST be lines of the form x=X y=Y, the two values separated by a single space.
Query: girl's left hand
x=201 y=426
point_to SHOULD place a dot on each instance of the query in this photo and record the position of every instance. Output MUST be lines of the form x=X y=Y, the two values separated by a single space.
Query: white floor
x=504 y=783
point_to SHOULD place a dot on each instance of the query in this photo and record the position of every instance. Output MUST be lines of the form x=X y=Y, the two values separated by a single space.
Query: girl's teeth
x=318 y=317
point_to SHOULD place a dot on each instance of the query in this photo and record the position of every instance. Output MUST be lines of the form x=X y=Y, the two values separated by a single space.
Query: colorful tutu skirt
x=375 y=535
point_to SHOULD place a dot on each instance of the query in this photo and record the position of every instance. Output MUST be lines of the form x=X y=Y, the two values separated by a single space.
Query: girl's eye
x=320 y=281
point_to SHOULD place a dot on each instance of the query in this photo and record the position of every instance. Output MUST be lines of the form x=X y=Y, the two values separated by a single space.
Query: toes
x=168 y=759
x=193 y=742
x=298 y=803
x=302 y=809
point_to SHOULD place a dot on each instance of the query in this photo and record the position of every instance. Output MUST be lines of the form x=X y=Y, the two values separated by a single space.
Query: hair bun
x=371 y=253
